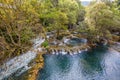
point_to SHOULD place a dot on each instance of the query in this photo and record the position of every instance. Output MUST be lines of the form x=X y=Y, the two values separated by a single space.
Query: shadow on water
x=56 y=64
x=83 y=66
x=92 y=63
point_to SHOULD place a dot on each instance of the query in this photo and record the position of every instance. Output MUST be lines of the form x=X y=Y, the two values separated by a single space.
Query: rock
x=116 y=46
x=18 y=62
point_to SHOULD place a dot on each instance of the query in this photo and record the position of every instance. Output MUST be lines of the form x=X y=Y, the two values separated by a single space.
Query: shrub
x=45 y=44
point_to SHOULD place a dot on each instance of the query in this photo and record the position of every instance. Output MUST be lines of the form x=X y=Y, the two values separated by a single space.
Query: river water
x=101 y=63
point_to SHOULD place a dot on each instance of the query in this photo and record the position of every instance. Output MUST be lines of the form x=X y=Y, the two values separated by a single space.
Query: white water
x=20 y=61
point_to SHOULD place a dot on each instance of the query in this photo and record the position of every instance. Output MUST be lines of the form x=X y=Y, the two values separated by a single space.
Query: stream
x=101 y=63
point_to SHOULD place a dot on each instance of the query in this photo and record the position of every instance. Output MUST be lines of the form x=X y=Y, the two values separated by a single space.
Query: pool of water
x=101 y=63
x=98 y=64
x=76 y=41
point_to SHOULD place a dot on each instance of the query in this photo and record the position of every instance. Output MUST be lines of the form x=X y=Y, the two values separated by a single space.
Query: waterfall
x=65 y=52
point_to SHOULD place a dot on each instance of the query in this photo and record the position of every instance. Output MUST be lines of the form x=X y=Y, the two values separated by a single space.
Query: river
x=101 y=63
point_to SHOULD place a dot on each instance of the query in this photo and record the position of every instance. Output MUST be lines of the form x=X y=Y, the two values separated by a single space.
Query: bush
x=45 y=44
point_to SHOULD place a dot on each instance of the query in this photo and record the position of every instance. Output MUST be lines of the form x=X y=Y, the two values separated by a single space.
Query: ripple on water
x=98 y=64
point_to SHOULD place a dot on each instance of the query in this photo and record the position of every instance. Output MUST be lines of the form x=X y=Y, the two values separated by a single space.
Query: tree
x=58 y=15
x=17 y=19
x=101 y=19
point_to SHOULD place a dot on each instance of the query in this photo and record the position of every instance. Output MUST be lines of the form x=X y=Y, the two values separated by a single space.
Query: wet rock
x=116 y=46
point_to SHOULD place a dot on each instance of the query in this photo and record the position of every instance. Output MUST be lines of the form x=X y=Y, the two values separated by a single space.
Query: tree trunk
x=58 y=33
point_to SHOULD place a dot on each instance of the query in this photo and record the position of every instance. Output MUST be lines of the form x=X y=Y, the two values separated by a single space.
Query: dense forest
x=23 y=20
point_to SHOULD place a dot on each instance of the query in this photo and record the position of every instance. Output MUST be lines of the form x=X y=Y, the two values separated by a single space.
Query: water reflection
x=98 y=64
x=101 y=63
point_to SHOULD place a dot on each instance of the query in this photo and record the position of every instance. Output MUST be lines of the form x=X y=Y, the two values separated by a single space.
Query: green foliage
x=57 y=15
x=18 y=21
x=26 y=35
x=102 y=19
x=45 y=44
x=82 y=27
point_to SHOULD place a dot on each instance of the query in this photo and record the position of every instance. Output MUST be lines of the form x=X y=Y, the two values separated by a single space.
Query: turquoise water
x=101 y=63
x=98 y=64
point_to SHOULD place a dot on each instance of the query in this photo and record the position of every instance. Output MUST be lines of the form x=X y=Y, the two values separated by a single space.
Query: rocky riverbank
x=116 y=46
x=20 y=62
x=32 y=73
x=35 y=54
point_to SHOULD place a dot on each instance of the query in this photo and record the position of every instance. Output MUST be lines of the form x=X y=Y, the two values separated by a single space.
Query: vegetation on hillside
x=22 y=20
x=102 y=19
